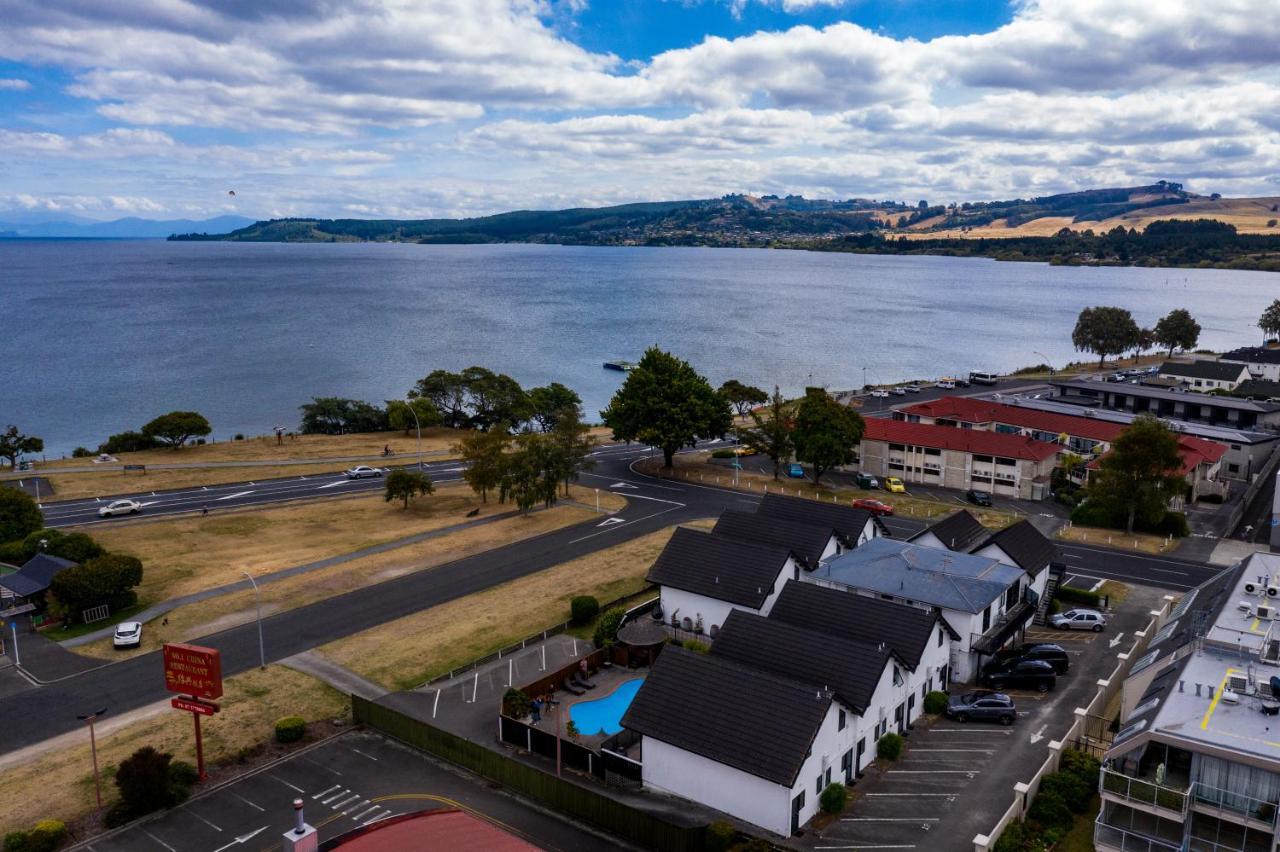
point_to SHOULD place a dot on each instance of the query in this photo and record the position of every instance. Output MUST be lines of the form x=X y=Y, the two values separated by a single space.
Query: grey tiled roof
x=1025 y=545
x=1253 y=355
x=717 y=567
x=1223 y=371
x=849 y=668
x=36 y=574
x=958 y=531
x=754 y=721
x=848 y=521
x=807 y=541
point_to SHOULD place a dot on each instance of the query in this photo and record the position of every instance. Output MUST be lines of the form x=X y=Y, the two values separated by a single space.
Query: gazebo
x=643 y=638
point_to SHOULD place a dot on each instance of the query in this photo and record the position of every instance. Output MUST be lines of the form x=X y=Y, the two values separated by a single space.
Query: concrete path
x=342 y=679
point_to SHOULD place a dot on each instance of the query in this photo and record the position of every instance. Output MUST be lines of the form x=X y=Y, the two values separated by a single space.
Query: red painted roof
x=967 y=410
x=1193 y=451
x=431 y=831
x=963 y=440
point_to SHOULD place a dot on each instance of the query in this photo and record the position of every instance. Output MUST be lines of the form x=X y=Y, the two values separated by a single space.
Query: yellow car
x=894 y=485
x=745 y=451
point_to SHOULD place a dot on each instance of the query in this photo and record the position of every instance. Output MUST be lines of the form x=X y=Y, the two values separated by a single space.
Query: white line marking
x=936 y=795
x=244 y=838
x=376 y=819
x=889 y=819
x=973 y=750
x=362 y=754
x=338 y=795
x=202 y=819
x=338 y=482
x=249 y=803
x=366 y=812
x=969 y=772
x=233 y=496
x=642 y=497
x=158 y=840
x=345 y=802
x=902 y=846
x=286 y=783
x=347 y=811
x=324 y=792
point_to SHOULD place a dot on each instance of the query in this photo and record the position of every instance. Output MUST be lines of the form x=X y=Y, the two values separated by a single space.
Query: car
x=978 y=498
x=894 y=485
x=1079 y=619
x=880 y=393
x=1048 y=652
x=1025 y=674
x=899 y=391
x=120 y=507
x=866 y=480
x=745 y=451
x=796 y=471
x=128 y=634
x=982 y=707
x=962 y=383
x=946 y=384
x=911 y=388
x=873 y=506
x=362 y=471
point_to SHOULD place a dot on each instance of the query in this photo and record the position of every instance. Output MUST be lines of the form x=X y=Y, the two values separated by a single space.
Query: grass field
x=59 y=783
x=406 y=652
x=1120 y=540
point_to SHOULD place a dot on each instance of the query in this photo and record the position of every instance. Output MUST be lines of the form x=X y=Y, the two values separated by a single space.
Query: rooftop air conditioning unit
x=1252 y=588
x=1273 y=591
x=1265 y=612
x=1237 y=684
x=1229 y=697
x=1244 y=606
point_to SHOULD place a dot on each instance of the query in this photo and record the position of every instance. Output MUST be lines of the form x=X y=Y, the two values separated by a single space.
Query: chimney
x=302 y=837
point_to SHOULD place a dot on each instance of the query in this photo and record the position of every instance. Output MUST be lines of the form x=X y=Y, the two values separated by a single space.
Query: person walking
x=204 y=510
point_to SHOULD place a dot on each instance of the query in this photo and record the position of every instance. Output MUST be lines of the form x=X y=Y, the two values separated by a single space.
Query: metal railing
x=1108 y=837
x=1230 y=804
x=1145 y=792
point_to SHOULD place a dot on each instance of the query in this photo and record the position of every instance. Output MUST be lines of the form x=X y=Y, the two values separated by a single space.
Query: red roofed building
x=1013 y=465
x=1200 y=463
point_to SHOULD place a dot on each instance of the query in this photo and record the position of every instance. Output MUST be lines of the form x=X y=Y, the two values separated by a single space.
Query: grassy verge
x=406 y=652
x=59 y=783
x=1136 y=542
x=224 y=611
x=58 y=634
x=1080 y=837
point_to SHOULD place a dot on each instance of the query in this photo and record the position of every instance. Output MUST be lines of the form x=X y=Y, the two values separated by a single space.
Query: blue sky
x=411 y=108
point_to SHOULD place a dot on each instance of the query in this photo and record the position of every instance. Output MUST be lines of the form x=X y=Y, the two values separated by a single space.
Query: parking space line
x=249 y=803
x=157 y=840
x=933 y=771
x=320 y=765
x=343 y=792
x=347 y=810
x=897 y=846
x=366 y=812
x=362 y=754
x=202 y=819
x=284 y=782
x=916 y=795
x=348 y=800
x=890 y=819
x=326 y=792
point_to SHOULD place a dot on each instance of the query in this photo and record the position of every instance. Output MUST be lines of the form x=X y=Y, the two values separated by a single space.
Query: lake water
x=100 y=336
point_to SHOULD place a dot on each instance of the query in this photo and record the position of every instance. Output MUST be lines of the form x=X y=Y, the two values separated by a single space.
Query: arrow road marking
x=1116 y=641
x=607 y=521
x=1038 y=735
x=234 y=496
x=242 y=839
x=338 y=482
x=620 y=485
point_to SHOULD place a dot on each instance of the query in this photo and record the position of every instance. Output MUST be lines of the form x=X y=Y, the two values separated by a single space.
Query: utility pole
x=93 y=746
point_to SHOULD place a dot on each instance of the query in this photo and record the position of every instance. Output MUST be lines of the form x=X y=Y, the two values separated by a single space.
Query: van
x=978 y=378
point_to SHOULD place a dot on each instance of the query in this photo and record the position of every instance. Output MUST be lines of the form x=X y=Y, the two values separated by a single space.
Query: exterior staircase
x=1050 y=588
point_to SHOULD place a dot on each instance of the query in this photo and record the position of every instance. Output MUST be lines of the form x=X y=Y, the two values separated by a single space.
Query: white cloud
x=14 y=84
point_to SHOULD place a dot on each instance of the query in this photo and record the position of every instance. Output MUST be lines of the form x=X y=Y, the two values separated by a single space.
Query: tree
x=404 y=484
x=771 y=432
x=1269 y=322
x=548 y=402
x=1142 y=472
x=531 y=474
x=143 y=779
x=19 y=514
x=1145 y=340
x=573 y=443
x=14 y=444
x=107 y=579
x=742 y=397
x=400 y=414
x=177 y=427
x=126 y=442
x=665 y=403
x=332 y=415
x=826 y=432
x=447 y=392
x=484 y=454
x=1104 y=331
x=76 y=546
x=495 y=398
x=1177 y=330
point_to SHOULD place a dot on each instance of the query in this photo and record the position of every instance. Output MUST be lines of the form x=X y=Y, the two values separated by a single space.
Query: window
x=1235 y=446
x=924 y=690
x=986 y=619
x=841 y=721
x=940 y=632
x=817 y=787
x=1233 y=468
x=897 y=676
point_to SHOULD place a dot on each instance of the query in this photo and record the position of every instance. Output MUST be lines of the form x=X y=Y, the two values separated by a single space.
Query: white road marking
x=610 y=521
x=1038 y=735
x=969 y=772
x=249 y=803
x=343 y=792
x=158 y=840
x=286 y=783
x=244 y=838
x=970 y=750
x=348 y=800
x=362 y=754
x=642 y=497
x=366 y=812
x=326 y=792
x=890 y=819
x=1116 y=641
x=914 y=795
x=347 y=810
x=339 y=482
x=377 y=818
x=202 y=819
x=234 y=496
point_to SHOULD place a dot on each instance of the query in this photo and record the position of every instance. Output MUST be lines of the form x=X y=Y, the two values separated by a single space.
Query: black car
x=983 y=707
x=978 y=498
x=1050 y=653
x=1024 y=674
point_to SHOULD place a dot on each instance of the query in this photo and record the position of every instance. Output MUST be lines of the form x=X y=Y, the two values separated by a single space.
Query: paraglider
x=231 y=192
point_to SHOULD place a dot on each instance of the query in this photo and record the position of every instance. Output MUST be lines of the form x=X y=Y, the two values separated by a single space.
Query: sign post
x=196 y=672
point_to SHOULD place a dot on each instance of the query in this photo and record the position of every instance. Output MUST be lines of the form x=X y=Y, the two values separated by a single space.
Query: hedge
x=889 y=747
x=47 y=836
x=833 y=798
x=723 y=454
x=935 y=702
x=1078 y=596
x=1093 y=514
x=290 y=729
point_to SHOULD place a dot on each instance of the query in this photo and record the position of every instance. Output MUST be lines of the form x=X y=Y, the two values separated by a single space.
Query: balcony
x=1170 y=802
x=1122 y=829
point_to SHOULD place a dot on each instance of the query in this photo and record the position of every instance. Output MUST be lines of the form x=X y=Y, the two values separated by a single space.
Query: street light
x=93 y=745
x=262 y=653
x=418 y=426
x=1046 y=360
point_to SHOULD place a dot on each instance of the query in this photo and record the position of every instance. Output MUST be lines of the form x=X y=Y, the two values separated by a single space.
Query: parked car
x=946 y=384
x=873 y=506
x=962 y=383
x=983 y=707
x=866 y=480
x=128 y=634
x=745 y=451
x=880 y=393
x=1023 y=674
x=1079 y=619
x=1047 y=652
x=894 y=485
x=120 y=507
x=899 y=391
x=978 y=498
x=911 y=388
x=795 y=470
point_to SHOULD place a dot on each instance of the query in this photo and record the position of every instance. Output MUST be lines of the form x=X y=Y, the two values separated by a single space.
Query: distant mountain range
x=131 y=227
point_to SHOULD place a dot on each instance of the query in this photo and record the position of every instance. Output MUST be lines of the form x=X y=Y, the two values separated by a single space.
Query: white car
x=361 y=471
x=899 y=391
x=880 y=393
x=120 y=507
x=947 y=384
x=1079 y=619
x=128 y=634
x=911 y=388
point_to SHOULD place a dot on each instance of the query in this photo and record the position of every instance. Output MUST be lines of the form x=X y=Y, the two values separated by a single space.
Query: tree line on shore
x=1107 y=330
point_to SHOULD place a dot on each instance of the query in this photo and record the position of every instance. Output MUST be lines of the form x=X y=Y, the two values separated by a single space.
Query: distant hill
x=131 y=227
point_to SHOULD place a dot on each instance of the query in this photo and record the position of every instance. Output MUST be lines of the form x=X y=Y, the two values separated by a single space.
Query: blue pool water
x=604 y=715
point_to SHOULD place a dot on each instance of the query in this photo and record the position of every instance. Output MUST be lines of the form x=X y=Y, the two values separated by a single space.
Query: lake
x=100 y=336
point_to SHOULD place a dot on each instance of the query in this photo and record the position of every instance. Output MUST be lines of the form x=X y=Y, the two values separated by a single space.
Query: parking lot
x=953 y=780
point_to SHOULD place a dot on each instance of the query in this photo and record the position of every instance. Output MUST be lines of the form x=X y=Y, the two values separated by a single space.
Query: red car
x=875 y=507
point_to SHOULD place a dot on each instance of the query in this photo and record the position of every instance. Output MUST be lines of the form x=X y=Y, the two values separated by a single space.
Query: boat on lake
x=621 y=366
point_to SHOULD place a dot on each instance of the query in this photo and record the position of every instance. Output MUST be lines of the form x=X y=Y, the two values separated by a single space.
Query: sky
x=417 y=108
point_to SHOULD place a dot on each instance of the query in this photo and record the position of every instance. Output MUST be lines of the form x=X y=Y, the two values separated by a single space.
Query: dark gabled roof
x=1025 y=545
x=958 y=531
x=807 y=541
x=846 y=520
x=36 y=574
x=751 y=720
x=1258 y=388
x=1253 y=355
x=1196 y=611
x=849 y=668
x=906 y=629
x=718 y=567
x=1219 y=370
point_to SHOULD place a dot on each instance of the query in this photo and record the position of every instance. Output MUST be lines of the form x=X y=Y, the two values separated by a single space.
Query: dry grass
x=230 y=610
x=1137 y=542
x=59 y=784
x=406 y=652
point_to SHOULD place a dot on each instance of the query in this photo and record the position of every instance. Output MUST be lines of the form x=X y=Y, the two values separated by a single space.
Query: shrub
x=1092 y=513
x=583 y=608
x=607 y=627
x=1085 y=597
x=722 y=454
x=515 y=703
x=12 y=552
x=46 y=836
x=572 y=731
x=143 y=779
x=290 y=729
x=117 y=815
x=81 y=453
x=1081 y=764
x=17 y=841
x=833 y=798
x=698 y=647
x=239 y=437
x=1070 y=788
x=126 y=442
x=889 y=747
x=719 y=836
x=1012 y=839
x=183 y=773
x=935 y=702
x=1050 y=811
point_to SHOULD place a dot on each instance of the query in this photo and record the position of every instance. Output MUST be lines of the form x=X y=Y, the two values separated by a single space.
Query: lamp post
x=417 y=425
x=257 y=598
x=1046 y=360
x=93 y=746
x=864 y=378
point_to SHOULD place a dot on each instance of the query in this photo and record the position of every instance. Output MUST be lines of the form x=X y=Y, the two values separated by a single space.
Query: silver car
x=120 y=507
x=128 y=634
x=361 y=471
x=1079 y=619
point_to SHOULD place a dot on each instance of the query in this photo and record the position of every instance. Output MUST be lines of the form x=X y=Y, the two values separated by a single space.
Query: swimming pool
x=604 y=715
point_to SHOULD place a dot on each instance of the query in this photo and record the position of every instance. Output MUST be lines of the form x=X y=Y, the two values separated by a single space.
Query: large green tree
x=548 y=403
x=1141 y=474
x=572 y=441
x=1269 y=322
x=771 y=431
x=107 y=579
x=665 y=403
x=1177 y=330
x=495 y=398
x=447 y=392
x=400 y=414
x=76 y=546
x=531 y=474
x=404 y=484
x=14 y=444
x=1104 y=331
x=19 y=514
x=332 y=415
x=826 y=433
x=177 y=427
x=742 y=397
x=484 y=454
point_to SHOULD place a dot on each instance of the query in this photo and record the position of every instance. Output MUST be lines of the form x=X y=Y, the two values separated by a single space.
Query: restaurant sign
x=193 y=670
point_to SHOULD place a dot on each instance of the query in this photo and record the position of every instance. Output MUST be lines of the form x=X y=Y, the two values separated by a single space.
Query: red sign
x=194 y=705
x=192 y=669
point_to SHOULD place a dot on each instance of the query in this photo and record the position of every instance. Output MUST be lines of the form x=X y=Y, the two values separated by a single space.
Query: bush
x=143 y=779
x=697 y=647
x=607 y=627
x=1051 y=812
x=1071 y=789
x=183 y=773
x=12 y=552
x=290 y=729
x=1091 y=513
x=1069 y=594
x=17 y=841
x=126 y=442
x=19 y=515
x=515 y=703
x=239 y=437
x=722 y=454
x=117 y=815
x=81 y=453
x=833 y=798
x=1082 y=765
x=46 y=836
x=935 y=702
x=889 y=747
x=719 y=836
x=1013 y=838
x=583 y=608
